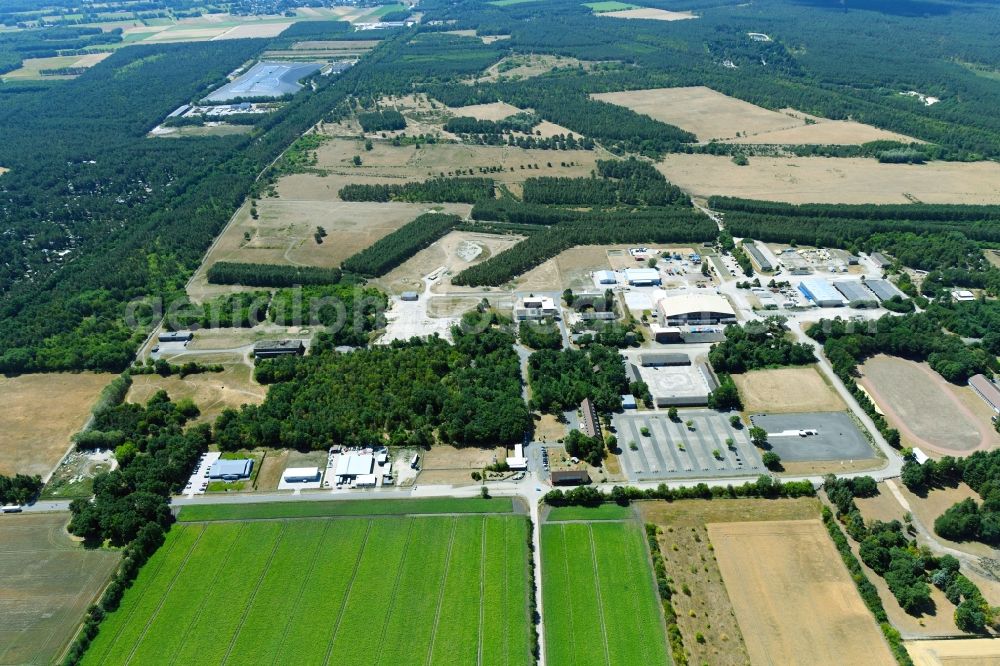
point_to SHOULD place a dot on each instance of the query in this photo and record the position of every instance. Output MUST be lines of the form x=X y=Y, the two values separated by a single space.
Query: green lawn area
x=609 y=6
x=602 y=512
x=599 y=596
x=391 y=590
x=319 y=509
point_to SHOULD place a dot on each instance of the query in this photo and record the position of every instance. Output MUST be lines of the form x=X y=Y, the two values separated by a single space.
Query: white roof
x=822 y=290
x=530 y=302
x=963 y=295
x=366 y=480
x=919 y=456
x=518 y=450
x=642 y=274
x=517 y=463
x=605 y=275
x=300 y=472
x=352 y=464
x=387 y=469
x=674 y=306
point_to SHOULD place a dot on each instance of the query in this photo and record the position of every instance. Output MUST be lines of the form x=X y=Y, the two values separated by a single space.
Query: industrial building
x=760 y=262
x=821 y=293
x=351 y=467
x=883 y=289
x=881 y=261
x=605 y=277
x=570 y=478
x=663 y=359
x=591 y=424
x=963 y=296
x=642 y=277
x=176 y=336
x=666 y=334
x=534 y=307
x=987 y=390
x=856 y=293
x=695 y=310
x=231 y=470
x=272 y=348
x=517 y=462
x=301 y=475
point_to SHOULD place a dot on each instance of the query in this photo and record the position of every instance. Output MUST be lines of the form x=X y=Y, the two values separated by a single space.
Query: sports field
x=48 y=581
x=403 y=590
x=387 y=507
x=787 y=390
x=794 y=599
x=600 y=603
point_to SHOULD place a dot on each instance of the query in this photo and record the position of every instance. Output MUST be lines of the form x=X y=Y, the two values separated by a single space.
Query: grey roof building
x=664 y=359
x=231 y=470
x=986 y=390
x=757 y=257
x=855 y=292
x=272 y=348
x=883 y=289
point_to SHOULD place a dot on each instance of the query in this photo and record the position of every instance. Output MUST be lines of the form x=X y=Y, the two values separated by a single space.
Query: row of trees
x=270 y=275
x=764 y=487
x=239 y=310
x=437 y=190
x=392 y=250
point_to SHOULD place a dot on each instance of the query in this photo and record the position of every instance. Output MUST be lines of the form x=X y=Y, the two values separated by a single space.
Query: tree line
x=617 y=182
x=270 y=275
x=390 y=251
x=19 y=489
x=436 y=190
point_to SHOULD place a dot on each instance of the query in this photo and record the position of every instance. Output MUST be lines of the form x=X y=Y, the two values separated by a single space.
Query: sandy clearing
x=652 y=14
x=835 y=180
x=91 y=59
x=250 y=30
x=794 y=600
x=787 y=390
x=493 y=111
x=978 y=652
x=916 y=400
x=41 y=412
x=212 y=392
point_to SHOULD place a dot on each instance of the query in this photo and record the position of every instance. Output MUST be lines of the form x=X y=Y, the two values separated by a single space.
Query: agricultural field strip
x=302 y=587
x=347 y=594
x=162 y=557
x=440 y=601
x=395 y=592
x=253 y=595
x=123 y=643
x=482 y=595
x=600 y=600
x=182 y=595
x=455 y=641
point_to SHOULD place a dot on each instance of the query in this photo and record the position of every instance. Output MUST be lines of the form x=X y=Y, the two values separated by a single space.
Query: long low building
x=231 y=470
x=762 y=263
x=642 y=277
x=883 y=289
x=695 y=310
x=654 y=359
x=272 y=348
x=301 y=475
x=821 y=293
x=855 y=292
x=987 y=390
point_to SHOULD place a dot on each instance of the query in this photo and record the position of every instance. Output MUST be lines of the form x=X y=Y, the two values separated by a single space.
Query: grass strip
x=334 y=508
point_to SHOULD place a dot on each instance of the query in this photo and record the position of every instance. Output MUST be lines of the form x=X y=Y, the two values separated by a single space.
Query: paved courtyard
x=672 y=450
x=837 y=436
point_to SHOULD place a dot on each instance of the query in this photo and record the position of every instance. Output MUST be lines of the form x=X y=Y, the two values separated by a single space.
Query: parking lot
x=836 y=436
x=674 y=450
x=198 y=482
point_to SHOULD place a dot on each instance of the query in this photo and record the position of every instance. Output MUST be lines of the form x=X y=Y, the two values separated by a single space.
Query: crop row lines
x=347 y=594
x=395 y=591
x=444 y=584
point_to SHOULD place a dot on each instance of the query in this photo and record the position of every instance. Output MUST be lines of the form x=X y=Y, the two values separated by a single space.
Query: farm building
x=642 y=277
x=605 y=277
x=534 y=307
x=351 y=466
x=855 y=292
x=570 y=478
x=231 y=470
x=591 y=424
x=665 y=334
x=880 y=260
x=272 y=348
x=883 y=289
x=821 y=293
x=663 y=359
x=176 y=336
x=409 y=296
x=695 y=309
x=301 y=475
x=760 y=262
x=987 y=390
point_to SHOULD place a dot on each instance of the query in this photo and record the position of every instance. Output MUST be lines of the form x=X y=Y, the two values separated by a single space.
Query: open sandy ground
x=212 y=392
x=918 y=402
x=794 y=600
x=787 y=390
x=526 y=66
x=41 y=412
x=712 y=115
x=492 y=111
x=649 y=13
x=978 y=652
x=835 y=180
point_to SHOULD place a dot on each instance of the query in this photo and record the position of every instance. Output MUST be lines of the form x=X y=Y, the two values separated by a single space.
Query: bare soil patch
x=48 y=581
x=794 y=600
x=568 y=270
x=41 y=412
x=492 y=111
x=211 y=391
x=271 y=469
x=650 y=14
x=526 y=66
x=691 y=564
x=979 y=651
x=548 y=429
x=917 y=401
x=835 y=180
x=787 y=390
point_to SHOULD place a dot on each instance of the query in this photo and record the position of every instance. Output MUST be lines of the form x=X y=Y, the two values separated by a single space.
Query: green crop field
x=601 y=512
x=609 y=6
x=390 y=590
x=319 y=509
x=598 y=596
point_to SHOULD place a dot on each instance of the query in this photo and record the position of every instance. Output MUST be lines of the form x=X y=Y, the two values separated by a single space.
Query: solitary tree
x=758 y=436
x=772 y=461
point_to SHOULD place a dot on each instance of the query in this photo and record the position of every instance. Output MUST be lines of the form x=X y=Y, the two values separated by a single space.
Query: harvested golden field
x=835 y=180
x=928 y=509
x=568 y=270
x=794 y=600
x=31 y=68
x=649 y=14
x=41 y=412
x=979 y=651
x=711 y=115
x=211 y=391
x=691 y=564
x=919 y=402
x=787 y=390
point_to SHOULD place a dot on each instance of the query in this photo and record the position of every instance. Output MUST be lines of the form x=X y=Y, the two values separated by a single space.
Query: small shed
x=570 y=478
x=409 y=296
